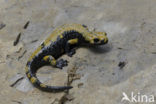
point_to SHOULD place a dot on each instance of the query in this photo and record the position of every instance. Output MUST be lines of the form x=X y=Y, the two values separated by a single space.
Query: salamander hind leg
x=61 y=63
x=51 y=60
x=70 y=50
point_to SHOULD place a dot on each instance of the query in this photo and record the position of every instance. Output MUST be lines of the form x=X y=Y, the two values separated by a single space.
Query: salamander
x=62 y=40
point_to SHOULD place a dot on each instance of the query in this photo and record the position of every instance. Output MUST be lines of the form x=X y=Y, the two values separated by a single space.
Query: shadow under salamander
x=100 y=49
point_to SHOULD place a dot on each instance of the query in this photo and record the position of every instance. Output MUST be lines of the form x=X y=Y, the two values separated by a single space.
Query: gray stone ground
x=94 y=72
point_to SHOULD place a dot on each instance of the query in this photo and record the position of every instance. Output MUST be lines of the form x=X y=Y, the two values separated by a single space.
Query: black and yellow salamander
x=62 y=40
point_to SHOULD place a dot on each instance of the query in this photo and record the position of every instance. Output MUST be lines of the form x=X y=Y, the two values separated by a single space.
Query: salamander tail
x=35 y=81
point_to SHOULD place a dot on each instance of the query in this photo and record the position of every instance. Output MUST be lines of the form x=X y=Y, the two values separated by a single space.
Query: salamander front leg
x=70 y=50
x=59 y=64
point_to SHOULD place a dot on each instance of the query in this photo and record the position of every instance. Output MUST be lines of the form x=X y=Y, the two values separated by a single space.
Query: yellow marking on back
x=45 y=58
x=68 y=27
x=50 y=59
x=61 y=36
x=35 y=53
x=26 y=69
x=33 y=79
x=43 y=85
x=106 y=39
x=28 y=75
x=42 y=45
x=73 y=41
x=91 y=41
x=53 y=62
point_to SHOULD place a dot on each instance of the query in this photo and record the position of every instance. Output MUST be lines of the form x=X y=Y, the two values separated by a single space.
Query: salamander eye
x=96 y=40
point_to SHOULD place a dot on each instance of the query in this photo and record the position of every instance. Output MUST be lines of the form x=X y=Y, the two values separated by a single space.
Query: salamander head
x=98 y=38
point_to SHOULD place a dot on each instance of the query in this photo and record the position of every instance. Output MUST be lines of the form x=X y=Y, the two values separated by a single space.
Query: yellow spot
x=106 y=39
x=50 y=39
x=61 y=36
x=33 y=79
x=30 y=58
x=35 y=53
x=99 y=32
x=28 y=75
x=26 y=69
x=42 y=45
x=43 y=85
x=73 y=41
x=50 y=59
x=53 y=62
x=45 y=58
x=91 y=41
